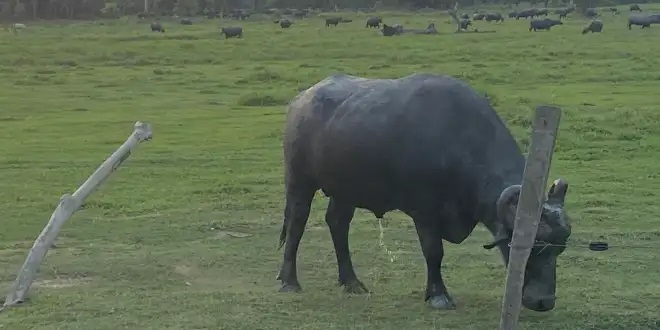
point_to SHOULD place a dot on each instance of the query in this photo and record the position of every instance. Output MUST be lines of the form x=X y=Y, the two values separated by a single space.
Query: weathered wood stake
x=528 y=212
x=68 y=205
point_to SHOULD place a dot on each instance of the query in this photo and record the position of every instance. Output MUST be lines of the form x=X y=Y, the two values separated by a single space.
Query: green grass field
x=185 y=234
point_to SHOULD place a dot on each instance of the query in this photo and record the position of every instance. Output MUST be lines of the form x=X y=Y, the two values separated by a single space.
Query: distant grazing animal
x=186 y=21
x=527 y=13
x=374 y=22
x=285 y=23
x=478 y=16
x=591 y=12
x=232 y=32
x=542 y=11
x=427 y=145
x=543 y=24
x=464 y=23
x=157 y=27
x=497 y=17
x=332 y=21
x=513 y=14
x=594 y=26
x=635 y=7
x=643 y=20
x=563 y=12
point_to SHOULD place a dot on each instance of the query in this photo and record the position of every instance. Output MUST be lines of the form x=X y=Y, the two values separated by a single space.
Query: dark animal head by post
x=553 y=231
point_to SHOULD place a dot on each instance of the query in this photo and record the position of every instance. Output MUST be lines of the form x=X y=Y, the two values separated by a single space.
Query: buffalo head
x=553 y=231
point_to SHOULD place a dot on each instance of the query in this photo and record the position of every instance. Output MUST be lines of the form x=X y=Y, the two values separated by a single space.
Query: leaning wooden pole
x=528 y=212
x=69 y=203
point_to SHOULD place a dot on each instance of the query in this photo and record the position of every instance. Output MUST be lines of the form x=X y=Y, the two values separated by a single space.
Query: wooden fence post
x=528 y=212
x=70 y=203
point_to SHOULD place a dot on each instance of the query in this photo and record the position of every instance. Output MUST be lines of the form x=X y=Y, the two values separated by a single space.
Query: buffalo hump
x=421 y=143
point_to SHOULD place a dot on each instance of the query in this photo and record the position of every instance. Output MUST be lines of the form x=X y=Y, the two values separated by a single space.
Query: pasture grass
x=184 y=235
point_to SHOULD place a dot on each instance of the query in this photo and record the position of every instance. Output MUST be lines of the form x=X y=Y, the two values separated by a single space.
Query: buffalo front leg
x=431 y=241
x=338 y=217
x=296 y=213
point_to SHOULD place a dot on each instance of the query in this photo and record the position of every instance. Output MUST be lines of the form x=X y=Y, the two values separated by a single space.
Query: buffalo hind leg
x=431 y=242
x=296 y=213
x=338 y=217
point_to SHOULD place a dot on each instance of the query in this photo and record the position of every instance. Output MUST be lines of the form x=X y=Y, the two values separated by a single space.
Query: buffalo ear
x=507 y=205
x=557 y=192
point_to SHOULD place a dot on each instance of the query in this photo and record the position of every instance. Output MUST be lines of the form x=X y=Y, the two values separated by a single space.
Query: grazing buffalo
x=332 y=21
x=157 y=27
x=563 y=12
x=186 y=21
x=528 y=13
x=478 y=16
x=374 y=22
x=593 y=27
x=513 y=14
x=642 y=20
x=543 y=24
x=591 y=12
x=464 y=23
x=285 y=23
x=427 y=145
x=232 y=32
x=497 y=17
x=635 y=7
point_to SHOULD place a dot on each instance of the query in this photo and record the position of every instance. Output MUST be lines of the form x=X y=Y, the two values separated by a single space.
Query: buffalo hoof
x=441 y=302
x=290 y=288
x=355 y=287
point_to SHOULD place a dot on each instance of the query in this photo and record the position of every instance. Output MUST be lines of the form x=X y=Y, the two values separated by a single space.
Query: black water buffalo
x=591 y=12
x=543 y=24
x=513 y=14
x=285 y=23
x=563 y=12
x=478 y=16
x=374 y=22
x=593 y=27
x=186 y=21
x=635 y=7
x=527 y=13
x=464 y=23
x=232 y=32
x=642 y=20
x=427 y=145
x=157 y=27
x=332 y=21
x=497 y=17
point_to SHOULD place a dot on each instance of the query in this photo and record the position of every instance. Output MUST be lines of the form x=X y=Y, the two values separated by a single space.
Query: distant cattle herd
x=463 y=21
